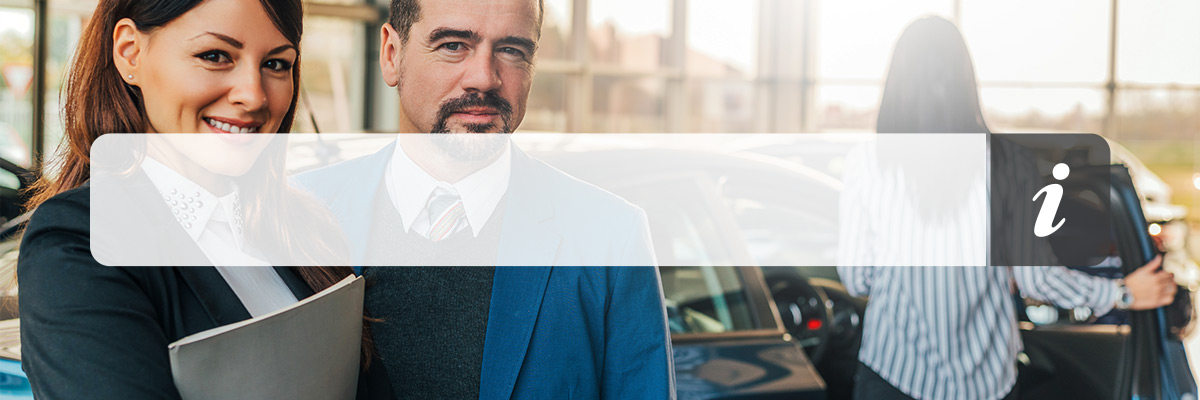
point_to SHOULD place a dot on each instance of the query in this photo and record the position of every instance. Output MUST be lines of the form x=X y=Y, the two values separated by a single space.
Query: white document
x=309 y=350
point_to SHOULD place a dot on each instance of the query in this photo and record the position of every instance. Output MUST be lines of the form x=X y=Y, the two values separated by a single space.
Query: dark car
x=728 y=338
x=717 y=310
x=794 y=332
x=14 y=179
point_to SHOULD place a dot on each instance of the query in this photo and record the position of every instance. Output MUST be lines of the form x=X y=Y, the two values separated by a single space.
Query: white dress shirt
x=214 y=223
x=410 y=188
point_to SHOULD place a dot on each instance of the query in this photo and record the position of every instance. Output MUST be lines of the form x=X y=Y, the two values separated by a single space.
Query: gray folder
x=309 y=350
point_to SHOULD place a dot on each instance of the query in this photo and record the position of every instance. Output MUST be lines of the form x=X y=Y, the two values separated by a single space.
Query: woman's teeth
x=229 y=128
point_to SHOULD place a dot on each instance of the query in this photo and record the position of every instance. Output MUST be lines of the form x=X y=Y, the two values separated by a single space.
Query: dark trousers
x=868 y=385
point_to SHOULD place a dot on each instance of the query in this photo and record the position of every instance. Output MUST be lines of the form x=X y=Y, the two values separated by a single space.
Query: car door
x=726 y=335
x=1154 y=364
x=14 y=182
x=1136 y=358
x=1070 y=356
x=728 y=341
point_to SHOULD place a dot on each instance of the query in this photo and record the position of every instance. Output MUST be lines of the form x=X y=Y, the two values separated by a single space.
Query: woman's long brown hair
x=931 y=88
x=99 y=102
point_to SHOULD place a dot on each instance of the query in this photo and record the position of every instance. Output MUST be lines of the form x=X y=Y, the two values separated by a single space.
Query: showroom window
x=717 y=66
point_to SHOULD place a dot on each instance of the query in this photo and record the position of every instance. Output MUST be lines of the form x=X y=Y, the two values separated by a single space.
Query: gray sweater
x=434 y=318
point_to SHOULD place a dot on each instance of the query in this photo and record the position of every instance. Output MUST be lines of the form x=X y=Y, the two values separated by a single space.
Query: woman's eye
x=215 y=57
x=278 y=65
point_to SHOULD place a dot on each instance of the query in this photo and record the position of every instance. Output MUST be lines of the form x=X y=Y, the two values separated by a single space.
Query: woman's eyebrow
x=237 y=44
x=281 y=49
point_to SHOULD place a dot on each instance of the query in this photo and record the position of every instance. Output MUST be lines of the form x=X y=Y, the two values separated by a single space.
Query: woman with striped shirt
x=944 y=331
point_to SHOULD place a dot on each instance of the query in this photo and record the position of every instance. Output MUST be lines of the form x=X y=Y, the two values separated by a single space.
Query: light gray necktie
x=446 y=214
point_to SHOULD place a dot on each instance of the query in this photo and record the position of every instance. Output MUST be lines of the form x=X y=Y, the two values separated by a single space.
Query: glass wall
x=719 y=66
x=16 y=77
x=334 y=83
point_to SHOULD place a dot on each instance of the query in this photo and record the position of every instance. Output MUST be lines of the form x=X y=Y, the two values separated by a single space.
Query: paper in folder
x=309 y=350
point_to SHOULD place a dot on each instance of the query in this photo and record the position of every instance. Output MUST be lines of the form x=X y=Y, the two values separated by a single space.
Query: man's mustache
x=474 y=100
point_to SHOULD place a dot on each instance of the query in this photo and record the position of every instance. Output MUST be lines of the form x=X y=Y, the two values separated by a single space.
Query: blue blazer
x=553 y=331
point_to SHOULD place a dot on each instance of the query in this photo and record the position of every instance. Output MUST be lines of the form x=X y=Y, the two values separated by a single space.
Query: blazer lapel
x=525 y=236
x=221 y=303
x=218 y=299
x=354 y=206
x=294 y=282
x=517 y=290
x=516 y=299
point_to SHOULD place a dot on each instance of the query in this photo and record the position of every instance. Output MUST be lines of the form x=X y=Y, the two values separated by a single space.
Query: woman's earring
x=130 y=76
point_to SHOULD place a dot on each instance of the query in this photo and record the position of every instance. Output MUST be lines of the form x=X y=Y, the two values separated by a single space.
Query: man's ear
x=127 y=49
x=390 y=50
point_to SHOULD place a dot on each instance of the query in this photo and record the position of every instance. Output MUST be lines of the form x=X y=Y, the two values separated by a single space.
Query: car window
x=9 y=180
x=705 y=300
x=766 y=214
x=1082 y=206
x=684 y=231
x=765 y=224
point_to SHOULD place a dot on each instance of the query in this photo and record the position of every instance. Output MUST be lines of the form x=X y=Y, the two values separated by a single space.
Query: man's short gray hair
x=404 y=13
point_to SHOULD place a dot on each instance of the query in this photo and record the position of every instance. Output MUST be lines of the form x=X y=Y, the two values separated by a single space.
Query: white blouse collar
x=192 y=205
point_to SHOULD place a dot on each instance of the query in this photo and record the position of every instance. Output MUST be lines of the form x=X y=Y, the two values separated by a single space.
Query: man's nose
x=481 y=73
x=247 y=90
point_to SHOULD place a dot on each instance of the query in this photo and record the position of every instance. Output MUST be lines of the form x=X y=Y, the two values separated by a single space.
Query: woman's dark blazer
x=89 y=331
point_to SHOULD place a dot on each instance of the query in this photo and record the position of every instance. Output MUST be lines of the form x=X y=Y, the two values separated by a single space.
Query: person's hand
x=1150 y=286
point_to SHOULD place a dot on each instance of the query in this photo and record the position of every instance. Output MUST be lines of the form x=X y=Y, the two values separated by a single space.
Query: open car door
x=1136 y=358
x=1153 y=363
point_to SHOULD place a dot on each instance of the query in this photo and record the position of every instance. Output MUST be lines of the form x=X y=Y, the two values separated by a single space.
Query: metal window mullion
x=41 y=19
x=362 y=12
x=1110 y=85
x=579 y=84
x=766 y=98
x=956 y=11
x=370 y=57
x=676 y=61
x=807 y=72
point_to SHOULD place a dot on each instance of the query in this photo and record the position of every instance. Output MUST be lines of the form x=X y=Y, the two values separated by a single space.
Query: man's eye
x=513 y=51
x=215 y=57
x=453 y=46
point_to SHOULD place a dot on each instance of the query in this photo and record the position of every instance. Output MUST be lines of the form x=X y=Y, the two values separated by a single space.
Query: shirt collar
x=480 y=192
x=192 y=205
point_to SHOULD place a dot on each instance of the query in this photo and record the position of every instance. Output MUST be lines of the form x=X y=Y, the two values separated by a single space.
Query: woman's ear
x=127 y=48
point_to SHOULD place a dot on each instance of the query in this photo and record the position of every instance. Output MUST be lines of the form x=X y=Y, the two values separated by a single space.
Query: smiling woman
x=170 y=66
x=203 y=77
x=165 y=66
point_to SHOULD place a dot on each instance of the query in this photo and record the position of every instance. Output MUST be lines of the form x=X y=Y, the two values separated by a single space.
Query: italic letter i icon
x=1054 y=193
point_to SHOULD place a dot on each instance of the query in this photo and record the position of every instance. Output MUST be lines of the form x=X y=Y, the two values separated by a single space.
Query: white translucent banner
x=537 y=199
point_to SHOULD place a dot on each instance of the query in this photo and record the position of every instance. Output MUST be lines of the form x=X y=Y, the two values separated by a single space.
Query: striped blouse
x=941 y=332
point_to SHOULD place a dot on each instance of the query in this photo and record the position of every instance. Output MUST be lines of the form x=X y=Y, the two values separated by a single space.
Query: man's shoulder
x=574 y=197
x=328 y=181
x=599 y=227
x=333 y=172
